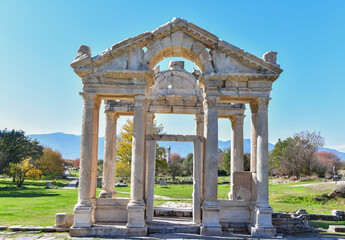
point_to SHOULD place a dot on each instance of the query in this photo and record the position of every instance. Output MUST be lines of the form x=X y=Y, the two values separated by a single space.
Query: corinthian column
x=108 y=184
x=136 y=207
x=236 y=147
x=83 y=209
x=263 y=211
x=210 y=220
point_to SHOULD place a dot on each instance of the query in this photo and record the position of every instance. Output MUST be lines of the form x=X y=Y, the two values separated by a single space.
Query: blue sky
x=39 y=39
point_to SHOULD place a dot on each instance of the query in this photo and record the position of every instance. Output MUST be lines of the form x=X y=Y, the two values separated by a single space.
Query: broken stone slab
x=336 y=228
x=3 y=228
x=15 y=228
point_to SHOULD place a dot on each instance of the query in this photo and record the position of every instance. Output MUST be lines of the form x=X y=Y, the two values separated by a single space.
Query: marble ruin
x=125 y=76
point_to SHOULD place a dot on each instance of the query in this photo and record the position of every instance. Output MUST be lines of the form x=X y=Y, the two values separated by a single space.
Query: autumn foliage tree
x=124 y=147
x=51 y=162
x=329 y=160
x=22 y=170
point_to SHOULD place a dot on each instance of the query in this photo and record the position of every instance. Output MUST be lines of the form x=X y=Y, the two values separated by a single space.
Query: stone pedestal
x=136 y=217
x=108 y=183
x=210 y=219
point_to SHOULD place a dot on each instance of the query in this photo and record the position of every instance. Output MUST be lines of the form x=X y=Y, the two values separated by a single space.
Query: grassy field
x=36 y=205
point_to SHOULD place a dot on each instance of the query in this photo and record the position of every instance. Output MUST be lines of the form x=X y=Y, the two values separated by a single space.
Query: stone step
x=336 y=228
x=173 y=229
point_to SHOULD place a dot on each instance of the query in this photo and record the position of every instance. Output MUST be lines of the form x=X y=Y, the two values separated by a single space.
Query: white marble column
x=109 y=162
x=210 y=220
x=83 y=209
x=236 y=148
x=263 y=221
x=150 y=153
x=136 y=207
x=199 y=130
x=254 y=135
x=95 y=137
x=196 y=180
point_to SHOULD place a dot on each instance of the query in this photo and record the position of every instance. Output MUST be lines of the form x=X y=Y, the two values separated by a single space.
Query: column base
x=82 y=216
x=107 y=194
x=262 y=232
x=210 y=220
x=136 y=216
x=263 y=221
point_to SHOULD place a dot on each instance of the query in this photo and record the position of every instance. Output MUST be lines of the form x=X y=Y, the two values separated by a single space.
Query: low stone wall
x=298 y=221
x=291 y=223
x=336 y=215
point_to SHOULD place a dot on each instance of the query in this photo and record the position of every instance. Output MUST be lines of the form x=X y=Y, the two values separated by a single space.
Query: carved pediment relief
x=226 y=64
x=175 y=83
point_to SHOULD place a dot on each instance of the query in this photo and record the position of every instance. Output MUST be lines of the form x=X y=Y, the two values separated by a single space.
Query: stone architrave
x=263 y=211
x=237 y=163
x=83 y=209
x=210 y=207
x=136 y=206
x=109 y=163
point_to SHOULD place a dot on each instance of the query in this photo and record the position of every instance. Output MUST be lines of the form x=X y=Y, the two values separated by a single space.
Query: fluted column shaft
x=254 y=136
x=109 y=162
x=262 y=151
x=150 y=156
x=236 y=147
x=138 y=149
x=211 y=148
x=199 y=129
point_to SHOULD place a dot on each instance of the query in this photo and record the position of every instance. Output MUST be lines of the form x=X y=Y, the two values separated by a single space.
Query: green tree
x=187 y=165
x=15 y=147
x=161 y=164
x=226 y=161
x=174 y=169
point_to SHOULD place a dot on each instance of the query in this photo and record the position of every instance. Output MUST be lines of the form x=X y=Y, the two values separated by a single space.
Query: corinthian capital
x=263 y=103
x=237 y=119
x=139 y=101
x=211 y=101
x=90 y=99
x=111 y=116
x=199 y=118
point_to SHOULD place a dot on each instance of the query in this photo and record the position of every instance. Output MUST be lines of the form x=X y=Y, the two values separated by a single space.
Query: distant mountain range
x=69 y=145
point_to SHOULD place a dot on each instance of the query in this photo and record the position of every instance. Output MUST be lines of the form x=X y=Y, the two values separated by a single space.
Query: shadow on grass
x=25 y=193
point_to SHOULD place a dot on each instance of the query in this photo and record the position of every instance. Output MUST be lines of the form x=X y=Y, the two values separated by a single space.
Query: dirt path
x=73 y=183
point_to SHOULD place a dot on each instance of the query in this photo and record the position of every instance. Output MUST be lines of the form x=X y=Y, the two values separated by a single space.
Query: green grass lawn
x=36 y=205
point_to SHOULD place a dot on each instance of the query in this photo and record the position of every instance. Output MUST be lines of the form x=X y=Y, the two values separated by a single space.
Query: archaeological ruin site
x=129 y=81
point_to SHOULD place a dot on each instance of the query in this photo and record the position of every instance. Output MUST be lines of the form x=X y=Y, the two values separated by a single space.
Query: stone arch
x=178 y=44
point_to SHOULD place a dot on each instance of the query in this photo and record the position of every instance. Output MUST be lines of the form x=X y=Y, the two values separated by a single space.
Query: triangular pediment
x=178 y=38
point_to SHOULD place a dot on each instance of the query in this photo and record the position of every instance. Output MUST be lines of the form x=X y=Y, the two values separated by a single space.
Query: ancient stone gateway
x=125 y=78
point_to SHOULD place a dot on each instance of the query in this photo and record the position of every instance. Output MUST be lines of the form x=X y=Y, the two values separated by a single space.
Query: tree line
x=295 y=156
x=22 y=157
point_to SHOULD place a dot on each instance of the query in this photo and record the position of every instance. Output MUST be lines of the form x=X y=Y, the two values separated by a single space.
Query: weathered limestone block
x=187 y=42
x=64 y=220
